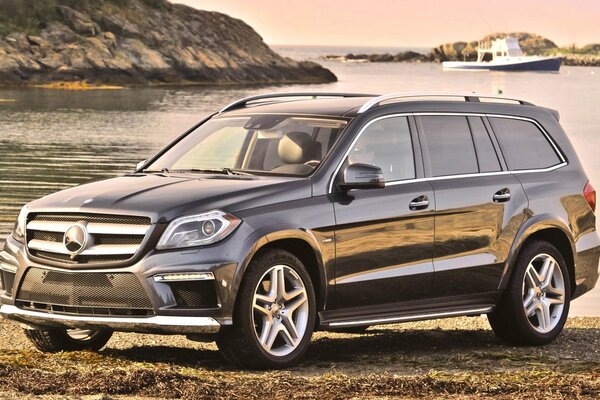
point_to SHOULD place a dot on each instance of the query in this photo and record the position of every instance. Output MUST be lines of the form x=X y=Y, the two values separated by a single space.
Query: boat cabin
x=507 y=47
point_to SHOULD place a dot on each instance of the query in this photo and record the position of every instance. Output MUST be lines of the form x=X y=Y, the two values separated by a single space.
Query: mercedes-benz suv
x=286 y=213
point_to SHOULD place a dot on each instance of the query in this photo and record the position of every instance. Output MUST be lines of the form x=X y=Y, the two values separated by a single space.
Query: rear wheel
x=53 y=340
x=535 y=305
x=274 y=316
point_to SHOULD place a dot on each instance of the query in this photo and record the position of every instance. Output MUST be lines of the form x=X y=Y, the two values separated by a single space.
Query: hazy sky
x=422 y=23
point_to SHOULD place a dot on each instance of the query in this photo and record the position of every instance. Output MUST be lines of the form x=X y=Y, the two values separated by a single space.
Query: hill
x=136 y=42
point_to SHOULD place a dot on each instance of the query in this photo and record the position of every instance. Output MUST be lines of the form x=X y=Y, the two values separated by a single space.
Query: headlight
x=20 y=225
x=198 y=230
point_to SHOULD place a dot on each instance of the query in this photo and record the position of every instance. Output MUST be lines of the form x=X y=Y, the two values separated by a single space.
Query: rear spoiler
x=555 y=113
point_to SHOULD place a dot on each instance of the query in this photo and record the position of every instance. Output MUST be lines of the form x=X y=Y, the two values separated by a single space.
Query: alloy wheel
x=543 y=293
x=280 y=310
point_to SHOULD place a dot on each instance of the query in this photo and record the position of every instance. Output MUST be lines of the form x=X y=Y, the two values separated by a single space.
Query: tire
x=521 y=317
x=256 y=339
x=54 y=340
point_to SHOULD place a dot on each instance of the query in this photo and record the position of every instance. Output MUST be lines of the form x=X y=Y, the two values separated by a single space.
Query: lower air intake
x=83 y=289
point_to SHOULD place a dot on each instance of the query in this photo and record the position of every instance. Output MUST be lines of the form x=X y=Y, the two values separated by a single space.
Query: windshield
x=273 y=144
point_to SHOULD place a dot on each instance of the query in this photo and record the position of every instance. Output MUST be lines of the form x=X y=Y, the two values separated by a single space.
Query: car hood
x=166 y=196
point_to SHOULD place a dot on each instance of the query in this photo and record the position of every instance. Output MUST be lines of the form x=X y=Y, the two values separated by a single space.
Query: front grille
x=110 y=238
x=195 y=294
x=82 y=292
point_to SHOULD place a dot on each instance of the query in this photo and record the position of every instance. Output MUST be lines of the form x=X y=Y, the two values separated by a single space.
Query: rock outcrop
x=136 y=42
x=405 y=56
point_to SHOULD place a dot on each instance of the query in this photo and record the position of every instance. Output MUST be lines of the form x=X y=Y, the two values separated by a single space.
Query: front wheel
x=53 y=340
x=274 y=316
x=534 y=307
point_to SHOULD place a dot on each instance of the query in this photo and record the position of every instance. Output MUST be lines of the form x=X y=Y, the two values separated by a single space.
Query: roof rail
x=243 y=102
x=405 y=96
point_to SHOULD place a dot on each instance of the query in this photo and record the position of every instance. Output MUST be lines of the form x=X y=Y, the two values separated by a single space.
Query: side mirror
x=361 y=176
x=140 y=165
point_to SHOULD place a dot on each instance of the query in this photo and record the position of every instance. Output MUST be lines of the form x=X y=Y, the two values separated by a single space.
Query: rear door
x=384 y=237
x=479 y=205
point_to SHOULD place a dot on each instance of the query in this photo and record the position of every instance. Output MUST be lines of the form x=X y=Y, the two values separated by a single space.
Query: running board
x=407 y=318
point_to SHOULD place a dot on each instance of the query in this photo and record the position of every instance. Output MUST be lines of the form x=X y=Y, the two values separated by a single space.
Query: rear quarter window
x=523 y=144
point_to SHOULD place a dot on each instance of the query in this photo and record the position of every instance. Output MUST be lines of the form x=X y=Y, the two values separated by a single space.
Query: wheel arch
x=302 y=244
x=550 y=230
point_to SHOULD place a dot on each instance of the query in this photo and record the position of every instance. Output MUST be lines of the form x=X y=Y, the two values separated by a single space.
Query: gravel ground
x=451 y=358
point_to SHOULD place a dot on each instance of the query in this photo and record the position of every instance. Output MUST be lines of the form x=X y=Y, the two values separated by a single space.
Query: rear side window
x=386 y=144
x=523 y=144
x=486 y=154
x=450 y=145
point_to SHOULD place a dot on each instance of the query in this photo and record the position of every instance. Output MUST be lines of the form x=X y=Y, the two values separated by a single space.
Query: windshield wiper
x=224 y=171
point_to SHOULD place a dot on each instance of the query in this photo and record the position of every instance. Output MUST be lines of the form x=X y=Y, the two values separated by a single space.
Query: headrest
x=294 y=147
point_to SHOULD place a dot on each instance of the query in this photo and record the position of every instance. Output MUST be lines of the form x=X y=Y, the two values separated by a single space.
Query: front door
x=384 y=237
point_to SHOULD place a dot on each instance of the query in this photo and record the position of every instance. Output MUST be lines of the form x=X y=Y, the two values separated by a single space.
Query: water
x=51 y=140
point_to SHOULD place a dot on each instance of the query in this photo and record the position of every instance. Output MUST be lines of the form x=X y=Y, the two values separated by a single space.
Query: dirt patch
x=453 y=358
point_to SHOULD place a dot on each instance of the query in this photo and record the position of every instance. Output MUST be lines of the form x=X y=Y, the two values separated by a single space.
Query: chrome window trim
x=458 y=176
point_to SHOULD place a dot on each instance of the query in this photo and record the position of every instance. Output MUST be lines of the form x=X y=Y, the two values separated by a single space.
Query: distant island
x=136 y=42
x=530 y=43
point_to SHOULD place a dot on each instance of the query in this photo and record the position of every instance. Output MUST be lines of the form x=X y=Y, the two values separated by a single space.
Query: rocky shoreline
x=467 y=51
x=136 y=42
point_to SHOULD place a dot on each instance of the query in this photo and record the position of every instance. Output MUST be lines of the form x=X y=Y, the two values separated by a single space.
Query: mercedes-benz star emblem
x=76 y=239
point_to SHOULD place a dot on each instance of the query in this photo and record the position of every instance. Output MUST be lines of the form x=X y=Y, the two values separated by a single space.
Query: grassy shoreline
x=453 y=358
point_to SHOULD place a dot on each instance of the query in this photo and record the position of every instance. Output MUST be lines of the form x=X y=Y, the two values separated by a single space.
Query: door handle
x=502 y=195
x=419 y=203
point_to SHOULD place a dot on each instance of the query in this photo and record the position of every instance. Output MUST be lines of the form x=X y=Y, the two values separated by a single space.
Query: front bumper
x=154 y=324
x=166 y=313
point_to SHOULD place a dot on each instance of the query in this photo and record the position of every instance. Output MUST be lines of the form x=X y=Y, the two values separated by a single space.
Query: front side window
x=387 y=144
x=272 y=144
x=523 y=144
x=450 y=145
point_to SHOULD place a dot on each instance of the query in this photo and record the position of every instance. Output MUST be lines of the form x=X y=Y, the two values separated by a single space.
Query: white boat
x=504 y=55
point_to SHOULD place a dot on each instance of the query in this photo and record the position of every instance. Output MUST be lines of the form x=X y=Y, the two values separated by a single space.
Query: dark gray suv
x=286 y=213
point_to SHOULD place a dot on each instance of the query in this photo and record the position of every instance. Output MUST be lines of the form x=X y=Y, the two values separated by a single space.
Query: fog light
x=178 y=277
x=8 y=268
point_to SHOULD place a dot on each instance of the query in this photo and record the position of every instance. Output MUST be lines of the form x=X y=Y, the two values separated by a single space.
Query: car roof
x=352 y=104
x=332 y=107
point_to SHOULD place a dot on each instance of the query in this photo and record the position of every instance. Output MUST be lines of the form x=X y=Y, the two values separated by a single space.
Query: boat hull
x=541 y=64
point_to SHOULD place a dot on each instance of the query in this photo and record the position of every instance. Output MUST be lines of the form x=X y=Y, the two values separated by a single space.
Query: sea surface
x=54 y=139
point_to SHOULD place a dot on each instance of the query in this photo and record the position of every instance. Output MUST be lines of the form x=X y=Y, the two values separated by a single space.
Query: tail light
x=590 y=195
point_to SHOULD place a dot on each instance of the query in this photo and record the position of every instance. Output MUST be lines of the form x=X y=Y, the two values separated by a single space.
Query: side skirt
x=410 y=311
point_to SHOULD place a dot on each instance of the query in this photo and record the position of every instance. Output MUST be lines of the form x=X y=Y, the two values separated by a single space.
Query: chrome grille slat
x=113 y=238
x=92 y=227
x=104 y=250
